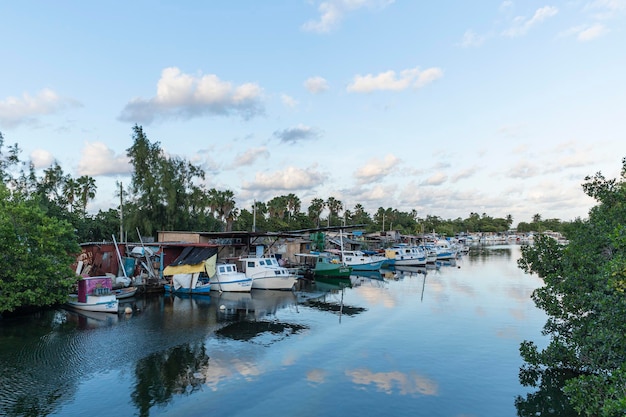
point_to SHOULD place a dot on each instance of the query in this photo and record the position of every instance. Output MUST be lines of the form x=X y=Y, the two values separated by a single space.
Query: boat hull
x=97 y=304
x=338 y=271
x=274 y=283
x=125 y=292
x=231 y=285
x=205 y=289
x=371 y=266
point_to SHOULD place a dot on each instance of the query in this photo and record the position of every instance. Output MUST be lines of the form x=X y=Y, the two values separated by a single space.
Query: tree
x=86 y=191
x=162 y=189
x=315 y=210
x=583 y=297
x=222 y=204
x=36 y=252
x=334 y=207
x=293 y=206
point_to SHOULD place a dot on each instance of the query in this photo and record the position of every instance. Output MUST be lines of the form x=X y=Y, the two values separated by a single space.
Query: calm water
x=440 y=343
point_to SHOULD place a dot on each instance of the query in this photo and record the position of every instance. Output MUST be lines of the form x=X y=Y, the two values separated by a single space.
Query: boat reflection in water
x=254 y=305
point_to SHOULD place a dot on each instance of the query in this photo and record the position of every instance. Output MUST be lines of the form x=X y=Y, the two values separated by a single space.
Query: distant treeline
x=166 y=193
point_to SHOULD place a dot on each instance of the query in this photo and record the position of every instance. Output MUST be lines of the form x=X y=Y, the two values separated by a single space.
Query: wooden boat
x=228 y=278
x=267 y=274
x=125 y=292
x=94 y=294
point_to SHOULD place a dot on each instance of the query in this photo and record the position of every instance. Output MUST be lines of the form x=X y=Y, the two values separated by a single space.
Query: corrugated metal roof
x=194 y=255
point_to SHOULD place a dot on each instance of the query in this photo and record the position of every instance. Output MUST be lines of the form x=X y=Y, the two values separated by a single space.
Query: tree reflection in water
x=161 y=375
x=247 y=330
x=549 y=399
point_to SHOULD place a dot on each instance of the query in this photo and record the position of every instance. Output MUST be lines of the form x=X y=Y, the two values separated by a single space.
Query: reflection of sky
x=394 y=382
x=442 y=344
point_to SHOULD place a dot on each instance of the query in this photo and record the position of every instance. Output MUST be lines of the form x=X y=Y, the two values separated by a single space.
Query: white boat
x=445 y=250
x=267 y=274
x=406 y=255
x=228 y=278
x=359 y=261
x=94 y=294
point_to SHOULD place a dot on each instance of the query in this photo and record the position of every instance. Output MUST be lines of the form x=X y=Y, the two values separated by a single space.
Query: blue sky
x=449 y=108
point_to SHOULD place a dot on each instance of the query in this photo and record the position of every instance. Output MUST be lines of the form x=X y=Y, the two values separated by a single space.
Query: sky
x=449 y=108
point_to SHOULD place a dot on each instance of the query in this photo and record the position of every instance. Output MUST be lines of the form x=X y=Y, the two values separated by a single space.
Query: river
x=426 y=342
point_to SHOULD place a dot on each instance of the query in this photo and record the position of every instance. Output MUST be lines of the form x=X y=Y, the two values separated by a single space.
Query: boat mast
x=121 y=214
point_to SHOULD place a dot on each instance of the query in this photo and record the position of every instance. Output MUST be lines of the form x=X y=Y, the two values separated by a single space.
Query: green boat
x=324 y=264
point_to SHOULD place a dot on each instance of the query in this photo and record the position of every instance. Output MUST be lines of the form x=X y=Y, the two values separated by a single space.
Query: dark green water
x=440 y=343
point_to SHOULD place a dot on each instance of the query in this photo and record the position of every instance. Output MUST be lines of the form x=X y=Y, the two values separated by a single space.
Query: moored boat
x=125 y=292
x=267 y=274
x=188 y=284
x=227 y=278
x=328 y=265
x=359 y=261
x=406 y=255
x=94 y=294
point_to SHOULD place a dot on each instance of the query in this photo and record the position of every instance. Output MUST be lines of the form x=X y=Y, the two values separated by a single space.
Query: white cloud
x=585 y=33
x=27 y=109
x=289 y=179
x=186 y=96
x=316 y=85
x=332 y=13
x=592 y=32
x=390 y=81
x=437 y=178
x=521 y=25
x=464 y=174
x=288 y=101
x=297 y=134
x=250 y=156
x=41 y=158
x=470 y=38
x=97 y=159
x=523 y=169
x=606 y=9
x=375 y=169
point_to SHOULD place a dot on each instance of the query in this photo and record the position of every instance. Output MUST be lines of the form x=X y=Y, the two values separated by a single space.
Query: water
x=436 y=342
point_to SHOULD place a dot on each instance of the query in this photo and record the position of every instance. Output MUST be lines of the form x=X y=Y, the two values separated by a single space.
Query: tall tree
x=86 y=187
x=293 y=206
x=334 y=207
x=583 y=297
x=315 y=210
x=161 y=187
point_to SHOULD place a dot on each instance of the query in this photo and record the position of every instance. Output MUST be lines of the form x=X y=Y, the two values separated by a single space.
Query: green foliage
x=584 y=300
x=163 y=192
x=35 y=255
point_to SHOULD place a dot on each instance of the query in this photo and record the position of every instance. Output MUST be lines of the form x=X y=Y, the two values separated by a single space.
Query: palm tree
x=293 y=206
x=87 y=190
x=277 y=207
x=334 y=207
x=71 y=189
x=221 y=204
x=315 y=209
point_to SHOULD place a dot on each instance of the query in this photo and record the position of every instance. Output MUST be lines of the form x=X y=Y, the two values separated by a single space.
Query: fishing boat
x=406 y=255
x=125 y=292
x=359 y=261
x=267 y=274
x=188 y=284
x=228 y=278
x=94 y=294
x=323 y=264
